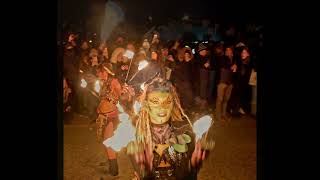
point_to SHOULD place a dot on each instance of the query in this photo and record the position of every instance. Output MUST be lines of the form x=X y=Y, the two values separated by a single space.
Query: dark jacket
x=244 y=72
x=182 y=72
x=121 y=74
x=225 y=72
x=219 y=62
x=202 y=60
x=70 y=66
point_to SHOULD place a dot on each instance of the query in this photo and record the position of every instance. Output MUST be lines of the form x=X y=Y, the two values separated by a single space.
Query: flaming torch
x=202 y=126
x=129 y=54
x=142 y=65
x=123 y=135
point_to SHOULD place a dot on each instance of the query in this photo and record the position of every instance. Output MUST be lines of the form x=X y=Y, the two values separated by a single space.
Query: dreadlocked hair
x=143 y=133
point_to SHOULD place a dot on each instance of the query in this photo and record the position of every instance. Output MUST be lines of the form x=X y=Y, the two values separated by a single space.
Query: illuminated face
x=229 y=52
x=203 y=53
x=154 y=56
x=146 y=45
x=84 y=45
x=187 y=57
x=102 y=75
x=180 y=57
x=160 y=106
x=94 y=61
x=105 y=52
x=102 y=46
x=244 y=54
x=131 y=47
x=120 y=57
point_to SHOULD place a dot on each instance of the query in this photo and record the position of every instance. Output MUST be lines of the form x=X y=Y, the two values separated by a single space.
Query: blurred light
x=136 y=107
x=202 y=126
x=129 y=54
x=142 y=86
x=83 y=83
x=90 y=41
x=193 y=51
x=142 y=64
x=124 y=134
x=97 y=86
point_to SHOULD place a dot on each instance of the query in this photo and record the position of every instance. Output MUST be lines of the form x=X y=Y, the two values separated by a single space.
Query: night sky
x=138 y=10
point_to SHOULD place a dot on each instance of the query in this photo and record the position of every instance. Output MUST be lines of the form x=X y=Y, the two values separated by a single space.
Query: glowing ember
x=124 y=134
x=97 y=86
x=136 y=107
x=142 y=64
x=201 y=126
x=83 y=83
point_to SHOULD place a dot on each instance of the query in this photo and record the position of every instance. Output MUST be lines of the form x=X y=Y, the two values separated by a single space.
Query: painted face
x=160 y=106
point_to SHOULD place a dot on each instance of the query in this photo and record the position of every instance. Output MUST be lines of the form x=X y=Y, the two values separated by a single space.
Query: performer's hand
x=234 y=68
x=198 y=155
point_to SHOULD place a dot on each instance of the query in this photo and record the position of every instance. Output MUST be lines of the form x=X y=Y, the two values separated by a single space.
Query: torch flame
x=201 y=126
x=124 y=134
x=97 y=86
x=142 y=86
x=136 y=107
x=83 y=83
x=142 y=64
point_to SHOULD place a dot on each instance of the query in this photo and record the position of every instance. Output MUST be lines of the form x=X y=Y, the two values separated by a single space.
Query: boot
x=113 y=168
